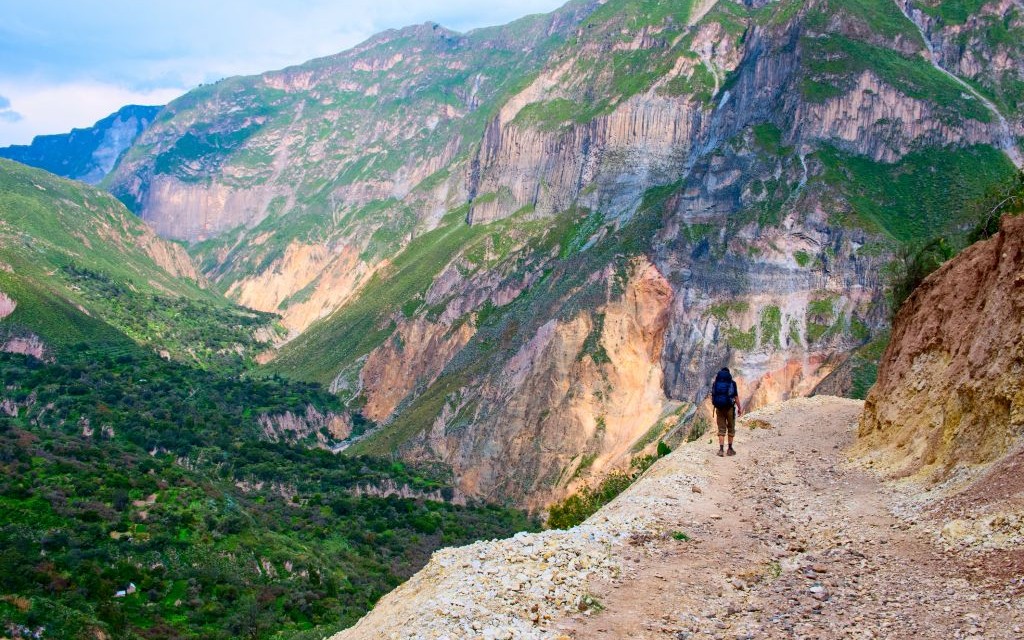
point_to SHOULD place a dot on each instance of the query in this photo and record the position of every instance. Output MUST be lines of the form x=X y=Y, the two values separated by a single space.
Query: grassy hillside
x=205 y=496
x=68 y=247
x=47 y=222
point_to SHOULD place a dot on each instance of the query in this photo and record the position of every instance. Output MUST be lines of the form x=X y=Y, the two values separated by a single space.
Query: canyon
x=314 y=329
x=461 y=232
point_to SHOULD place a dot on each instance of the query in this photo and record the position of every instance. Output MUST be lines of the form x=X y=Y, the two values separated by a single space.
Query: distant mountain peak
x=90 y=153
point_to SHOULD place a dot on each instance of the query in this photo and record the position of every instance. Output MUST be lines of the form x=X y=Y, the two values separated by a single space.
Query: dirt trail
x=789 y=539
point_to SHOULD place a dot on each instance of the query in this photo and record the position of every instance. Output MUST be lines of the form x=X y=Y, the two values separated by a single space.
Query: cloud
x=6 y=113
x=43 y=109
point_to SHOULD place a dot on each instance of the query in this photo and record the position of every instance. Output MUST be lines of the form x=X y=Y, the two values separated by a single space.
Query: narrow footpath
x=789 y=539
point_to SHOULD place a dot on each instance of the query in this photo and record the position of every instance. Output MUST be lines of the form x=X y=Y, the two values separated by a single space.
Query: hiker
x=726 y=401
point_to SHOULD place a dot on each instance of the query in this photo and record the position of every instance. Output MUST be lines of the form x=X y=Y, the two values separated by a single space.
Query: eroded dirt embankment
x=950 y=389
x=789 y=539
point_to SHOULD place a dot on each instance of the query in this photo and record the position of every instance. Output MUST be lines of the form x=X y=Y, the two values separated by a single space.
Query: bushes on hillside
x=580 y=506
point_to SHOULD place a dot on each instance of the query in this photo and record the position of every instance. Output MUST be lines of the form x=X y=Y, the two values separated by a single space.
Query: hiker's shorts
x=726 y=421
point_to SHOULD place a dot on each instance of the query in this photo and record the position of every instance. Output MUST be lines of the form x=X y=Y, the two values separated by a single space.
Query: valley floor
x=788 y=539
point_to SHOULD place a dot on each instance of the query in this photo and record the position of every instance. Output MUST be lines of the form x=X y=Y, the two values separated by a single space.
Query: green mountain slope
x=297 y=183
x=73 y=259
x=125 y=472
x=784 y=258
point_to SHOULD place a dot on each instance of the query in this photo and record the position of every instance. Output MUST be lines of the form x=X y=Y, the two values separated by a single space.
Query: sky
x=69 y=63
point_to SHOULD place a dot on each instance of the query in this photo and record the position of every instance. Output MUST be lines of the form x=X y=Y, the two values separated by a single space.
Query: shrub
x=998 y=202
x=697 y=429
x=580 y=506
x=912 y=266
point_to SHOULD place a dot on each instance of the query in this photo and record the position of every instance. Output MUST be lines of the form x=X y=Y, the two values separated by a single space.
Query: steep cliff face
x=984 y=49
x=569 y=403
x=950 y=389
x=85 y=154
x=524 y=251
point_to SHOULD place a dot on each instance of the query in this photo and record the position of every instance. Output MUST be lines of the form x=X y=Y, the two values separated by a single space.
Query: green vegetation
x=613 y=75
x=586 y=462
x=205 y=148
x=821 y=316
x=554 y=114
x=912 y=265
x=682 y=536
x=882 y=17
x=741 y=340
x=580 y=506
x=723 y=310
x=864 y=365
x=700 y=84
x=637 y=14
x=47 y=222
x=794 y=332
x=859 y=329
x=121 y=468
x=768 y=136
x=125 y=469
x=918 y=258
x=60 y=323
x=592 y=603
x=778 y=13
x=952 y=12
x=208 y=334
x=697 y=429
x=771 y=326
x=733 y=335
x=926 y=193
x=592 y=344
x=69 y=247
x=1004 y=199
x=802 y=258
x=658 y=430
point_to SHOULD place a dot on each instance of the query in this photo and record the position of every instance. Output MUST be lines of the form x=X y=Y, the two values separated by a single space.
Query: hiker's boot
x=730 y=452
x=721 y=452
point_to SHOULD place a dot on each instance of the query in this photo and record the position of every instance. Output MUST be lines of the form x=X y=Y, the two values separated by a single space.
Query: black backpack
x=723 y=391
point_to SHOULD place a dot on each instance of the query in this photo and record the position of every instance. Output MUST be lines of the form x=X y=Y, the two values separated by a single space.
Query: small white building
x=126 y=592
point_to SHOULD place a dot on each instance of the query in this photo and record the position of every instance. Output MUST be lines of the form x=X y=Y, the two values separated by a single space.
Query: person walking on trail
x=726 y=402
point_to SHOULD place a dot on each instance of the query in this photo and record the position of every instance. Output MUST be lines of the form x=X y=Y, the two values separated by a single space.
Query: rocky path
x=788 y=539
x=799 y=543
